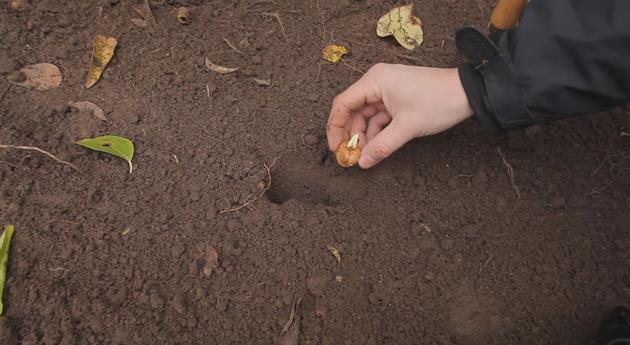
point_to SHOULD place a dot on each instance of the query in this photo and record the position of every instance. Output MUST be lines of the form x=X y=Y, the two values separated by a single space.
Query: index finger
x=354 y=98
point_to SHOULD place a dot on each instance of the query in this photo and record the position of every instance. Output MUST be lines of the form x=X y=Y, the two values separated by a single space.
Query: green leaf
x=5 y=239
x=112 y=144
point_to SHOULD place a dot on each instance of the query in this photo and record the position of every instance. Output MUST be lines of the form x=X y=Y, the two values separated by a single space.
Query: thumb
x=386 y=142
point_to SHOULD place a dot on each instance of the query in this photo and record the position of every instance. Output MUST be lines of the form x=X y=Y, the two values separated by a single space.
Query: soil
x=436 y=247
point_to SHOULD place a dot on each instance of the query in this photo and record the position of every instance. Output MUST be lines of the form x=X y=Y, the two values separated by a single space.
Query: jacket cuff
x=475 y=89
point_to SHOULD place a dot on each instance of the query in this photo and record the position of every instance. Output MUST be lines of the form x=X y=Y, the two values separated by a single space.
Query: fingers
x=357 y=98
x=359 y=125
x=376 y=124
x=390 y=139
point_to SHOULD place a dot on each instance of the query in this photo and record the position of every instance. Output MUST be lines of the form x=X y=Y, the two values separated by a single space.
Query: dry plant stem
x=510 y=173
x=352 y=67
x=260 y=195
x=411 y=58
x=33 y=148
x=232 y=46
x=277 y=16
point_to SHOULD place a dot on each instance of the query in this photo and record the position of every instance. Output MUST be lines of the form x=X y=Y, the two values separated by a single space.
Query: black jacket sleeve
x=566 y=57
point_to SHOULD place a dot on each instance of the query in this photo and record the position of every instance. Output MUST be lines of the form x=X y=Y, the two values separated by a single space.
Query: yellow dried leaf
x=101 y=54
x=400 y=22
x=335 y=252
x=334 y=52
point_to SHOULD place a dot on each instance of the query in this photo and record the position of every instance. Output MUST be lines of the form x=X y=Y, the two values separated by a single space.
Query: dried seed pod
x=348 y=152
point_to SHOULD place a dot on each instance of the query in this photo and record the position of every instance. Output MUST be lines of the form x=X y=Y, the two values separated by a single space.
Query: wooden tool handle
x=507 y=13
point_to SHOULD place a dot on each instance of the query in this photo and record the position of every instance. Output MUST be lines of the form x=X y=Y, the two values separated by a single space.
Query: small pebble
x=339 y=279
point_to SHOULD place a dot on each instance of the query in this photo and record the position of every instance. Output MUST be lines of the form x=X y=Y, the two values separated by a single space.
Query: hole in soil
x=292 y=179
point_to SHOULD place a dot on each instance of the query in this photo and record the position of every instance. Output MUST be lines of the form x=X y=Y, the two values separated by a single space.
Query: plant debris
x=335 y=252
x=112 y=144
x=262 y=82
x=5 y=241
x=183 y=15
x=89 y=107
x=334 y=52
x=33 y=148
x=348 y=152
x=41 y=76
x=211 y=257
x=139 y=22
x=291 y=318
x=144 y=10
x=102 y=53
x=218 y=68
x=403 y=25
x=18 y=5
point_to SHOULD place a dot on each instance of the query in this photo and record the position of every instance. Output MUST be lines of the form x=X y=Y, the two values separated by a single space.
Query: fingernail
x=366 y=161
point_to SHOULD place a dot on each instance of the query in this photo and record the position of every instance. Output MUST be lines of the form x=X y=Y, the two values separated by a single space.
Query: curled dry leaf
x=18 y=5
x=144 y=10
x=262 y=82
x=335 y=252
x=41 y=76
x=400 y=22
x=102 y=53
x=183 y=15
x=348 y=152
x=218 y=68
x=334 y=52
x=139 y=22
x=89 y=107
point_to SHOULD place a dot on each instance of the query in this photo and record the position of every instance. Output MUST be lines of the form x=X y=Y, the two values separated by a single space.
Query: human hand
x=392 y=104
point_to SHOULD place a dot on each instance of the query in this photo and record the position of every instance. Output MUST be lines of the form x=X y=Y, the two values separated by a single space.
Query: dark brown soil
x=436 y=248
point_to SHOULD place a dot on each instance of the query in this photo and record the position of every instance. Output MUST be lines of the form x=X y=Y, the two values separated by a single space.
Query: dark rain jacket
x=566 y=57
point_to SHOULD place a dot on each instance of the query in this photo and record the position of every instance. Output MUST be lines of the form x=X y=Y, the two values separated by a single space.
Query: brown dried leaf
x=211 y=256
x=218 y=68
x=139 y=22
x=183 y=15
x=41 y=76
x=335 y=252
x=89 y=107
x=102 y=53
x=144 y=10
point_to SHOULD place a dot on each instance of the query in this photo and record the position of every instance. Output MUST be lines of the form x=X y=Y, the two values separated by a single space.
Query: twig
x=411 y=58
x=319 y=70
x=277 y=16
x=599 y=167
x=485 y=263
x=352 y=67
x=33 y=148
x=7 y=91
x=625 y=134
x=330 y=33
x=11 y=164
x=232 y=46
x=510 y=173
x=61 y=221
x=596 y=191
x=249 y=200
